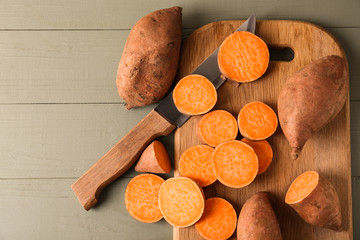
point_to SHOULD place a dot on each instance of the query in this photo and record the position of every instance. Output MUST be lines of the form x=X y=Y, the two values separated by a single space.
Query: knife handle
x=119 y=158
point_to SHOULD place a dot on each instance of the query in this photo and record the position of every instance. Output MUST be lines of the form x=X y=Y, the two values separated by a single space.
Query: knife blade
x=161 y=121
x=208 y=68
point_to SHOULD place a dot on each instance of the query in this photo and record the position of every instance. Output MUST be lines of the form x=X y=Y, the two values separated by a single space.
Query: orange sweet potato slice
x=181 y=201
x=243 y=57
x=195 y=163
x=194 y=95
x=315 y=200
x=263 y=151
x=257 y=121
x=141 y=198
x=154 y=159
x=218 y=220
x=217 y=127
x=235 y=164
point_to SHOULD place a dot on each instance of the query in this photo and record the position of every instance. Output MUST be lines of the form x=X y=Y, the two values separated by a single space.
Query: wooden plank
x=114 y=14
x=80 y=66
x=56 y=141
x=60 y=67
x=328 y=151
x=64 y=140
x=48 y=209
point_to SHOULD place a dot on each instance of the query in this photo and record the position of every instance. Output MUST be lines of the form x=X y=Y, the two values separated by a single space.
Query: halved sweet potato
x=315 y=200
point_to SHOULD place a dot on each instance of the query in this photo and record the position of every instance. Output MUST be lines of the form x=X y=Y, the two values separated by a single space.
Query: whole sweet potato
x=150 y=57
x=257 y=220
x=311 y=98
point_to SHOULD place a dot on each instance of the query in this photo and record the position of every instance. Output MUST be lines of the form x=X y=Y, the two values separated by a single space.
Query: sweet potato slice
x=243 y=57
x=194 y=95
x=263 y=151
x=217 y=127
x=257 y=121
x=141 y=198
x=235 y=164
x=218 y=221
x=181 y=201
x=257 y=220
x=195 y=163
x=154 y=159
x=150 y=57
x=315 y=200
x=311 y=98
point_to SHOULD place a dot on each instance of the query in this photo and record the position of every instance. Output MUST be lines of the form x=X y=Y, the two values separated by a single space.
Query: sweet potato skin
x=150 y=57
x=321 y=207
x=311 y=98
x=149 y=161
x=257 y=220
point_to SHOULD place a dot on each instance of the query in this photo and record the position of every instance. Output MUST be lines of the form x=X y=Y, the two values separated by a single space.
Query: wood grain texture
x=60 y=67
x=80 y=66
x=122 y=14
x=119 y=158
x=48 y=209
x=328 y=151
x=60 y=141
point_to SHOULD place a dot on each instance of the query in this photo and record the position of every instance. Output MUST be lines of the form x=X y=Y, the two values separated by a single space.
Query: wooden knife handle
x=119 y=158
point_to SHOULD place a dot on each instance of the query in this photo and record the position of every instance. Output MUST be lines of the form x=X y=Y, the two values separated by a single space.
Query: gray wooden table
x=60 y=112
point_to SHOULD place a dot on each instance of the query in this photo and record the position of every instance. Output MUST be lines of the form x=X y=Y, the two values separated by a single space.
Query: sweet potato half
x=315 y=200
x=311 y=98
x=154 y=159
x=150 y=57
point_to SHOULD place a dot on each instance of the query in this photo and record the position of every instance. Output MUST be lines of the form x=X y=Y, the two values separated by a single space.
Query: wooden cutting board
x=328 y=151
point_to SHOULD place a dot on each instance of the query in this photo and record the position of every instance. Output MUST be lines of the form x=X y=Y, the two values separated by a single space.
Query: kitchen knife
x=161 y=121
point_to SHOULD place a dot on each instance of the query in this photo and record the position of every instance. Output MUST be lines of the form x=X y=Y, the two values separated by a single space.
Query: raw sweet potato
x=154 y=159
x=181 y=201
x=263 y=151
x=315 y=200
x=195 y=163
x=311 y=98
x=150 y=57
x=243 y=57
x=257 y=121
x=141 y=198
x=218 y=221
x=235 y=164
x=194 y=95
x=217 y=127
x=257 y=220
